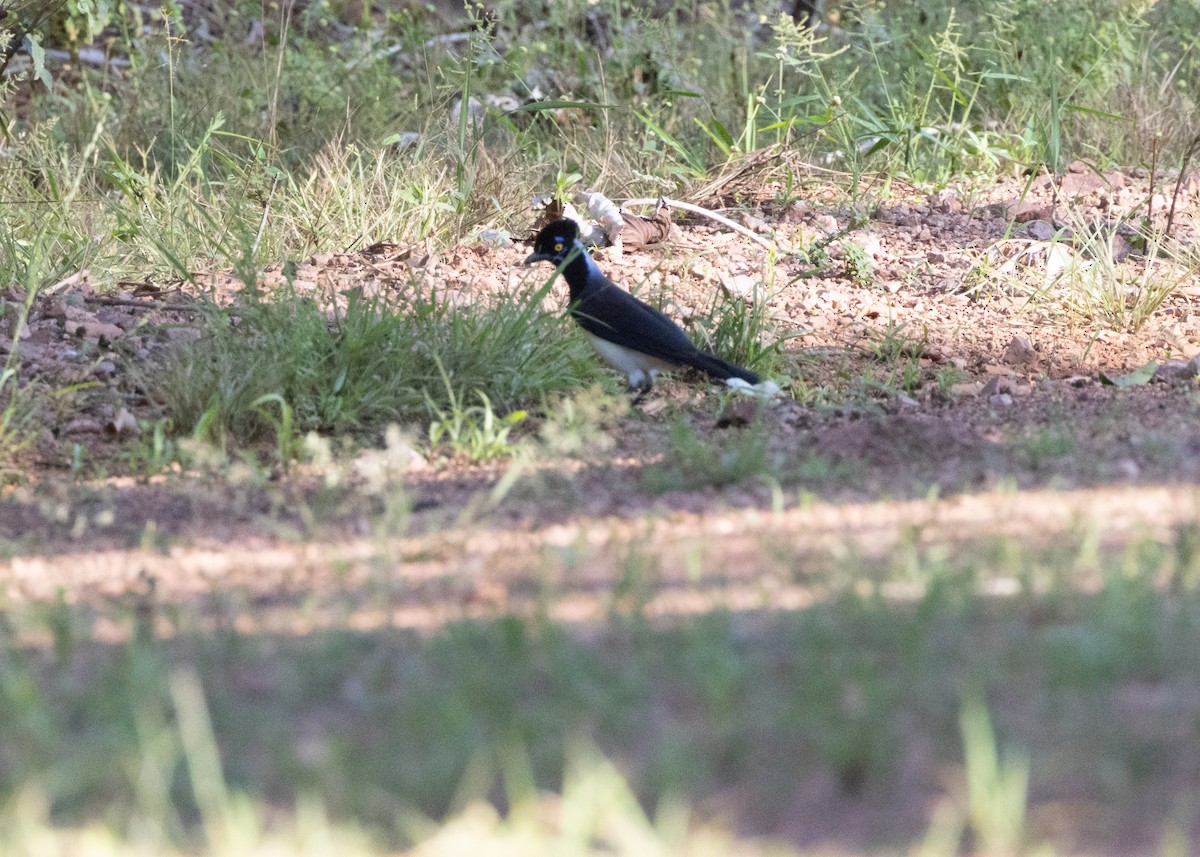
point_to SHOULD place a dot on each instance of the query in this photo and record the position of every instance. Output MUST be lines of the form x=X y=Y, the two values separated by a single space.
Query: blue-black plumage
x=632 y=336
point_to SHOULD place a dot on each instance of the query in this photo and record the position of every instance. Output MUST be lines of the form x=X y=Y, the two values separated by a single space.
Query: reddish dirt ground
x=933 y=347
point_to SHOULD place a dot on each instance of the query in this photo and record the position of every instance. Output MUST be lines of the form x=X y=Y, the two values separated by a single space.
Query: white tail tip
x=767 y=389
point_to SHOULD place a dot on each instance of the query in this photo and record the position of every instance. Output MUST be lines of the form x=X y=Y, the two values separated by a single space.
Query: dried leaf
x=1136 y=378
x=640 y=231
x=123 y=425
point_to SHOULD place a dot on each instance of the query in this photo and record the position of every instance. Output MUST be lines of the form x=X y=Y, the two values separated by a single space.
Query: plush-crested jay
x=630 y=335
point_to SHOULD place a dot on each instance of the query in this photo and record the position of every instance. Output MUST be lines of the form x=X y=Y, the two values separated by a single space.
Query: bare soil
x=1005 y=385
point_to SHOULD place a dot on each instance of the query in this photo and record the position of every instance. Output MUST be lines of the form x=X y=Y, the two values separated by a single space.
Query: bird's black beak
x=538 y=257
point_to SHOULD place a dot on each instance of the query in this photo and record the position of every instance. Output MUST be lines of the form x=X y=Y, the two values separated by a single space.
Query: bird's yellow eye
x=558 y=245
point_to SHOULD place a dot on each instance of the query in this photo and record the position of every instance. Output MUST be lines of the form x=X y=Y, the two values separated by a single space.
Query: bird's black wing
x=613 y=314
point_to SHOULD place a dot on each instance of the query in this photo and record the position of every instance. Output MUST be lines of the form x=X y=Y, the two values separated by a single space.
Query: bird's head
x=554 y=242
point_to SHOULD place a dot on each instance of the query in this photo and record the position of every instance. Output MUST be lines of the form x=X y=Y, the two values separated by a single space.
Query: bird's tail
x=720 y=369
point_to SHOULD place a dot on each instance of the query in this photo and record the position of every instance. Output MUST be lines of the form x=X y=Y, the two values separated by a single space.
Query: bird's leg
x=640 y=389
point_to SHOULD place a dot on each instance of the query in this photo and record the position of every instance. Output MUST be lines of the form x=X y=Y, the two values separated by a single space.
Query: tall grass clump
x=327 y=119
x=1122 y=295
x=922 y=110
x=936 y=89
x=360 y=368
x=742 y=332
x=125 y=216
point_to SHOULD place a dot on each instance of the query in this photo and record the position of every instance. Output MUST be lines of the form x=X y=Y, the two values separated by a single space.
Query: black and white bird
x=632 y=336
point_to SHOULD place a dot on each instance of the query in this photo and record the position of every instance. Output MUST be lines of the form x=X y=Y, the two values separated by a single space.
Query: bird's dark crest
x=564 y=228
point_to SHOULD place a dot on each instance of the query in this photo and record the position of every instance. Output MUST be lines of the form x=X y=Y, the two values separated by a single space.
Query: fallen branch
x=1187 y=157
x=144 y=304
x=704 y=212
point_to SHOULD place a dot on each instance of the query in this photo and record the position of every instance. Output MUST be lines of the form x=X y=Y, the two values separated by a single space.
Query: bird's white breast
x=636 y=365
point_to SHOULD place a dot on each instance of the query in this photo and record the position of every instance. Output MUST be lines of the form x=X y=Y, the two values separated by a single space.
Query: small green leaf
x=1136 y=378
x=38 y=54
x=536 y=106
x=1092 y=111
x=719 y=135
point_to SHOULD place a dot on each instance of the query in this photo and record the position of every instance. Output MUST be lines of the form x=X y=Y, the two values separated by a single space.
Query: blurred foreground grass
x=836 y=727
